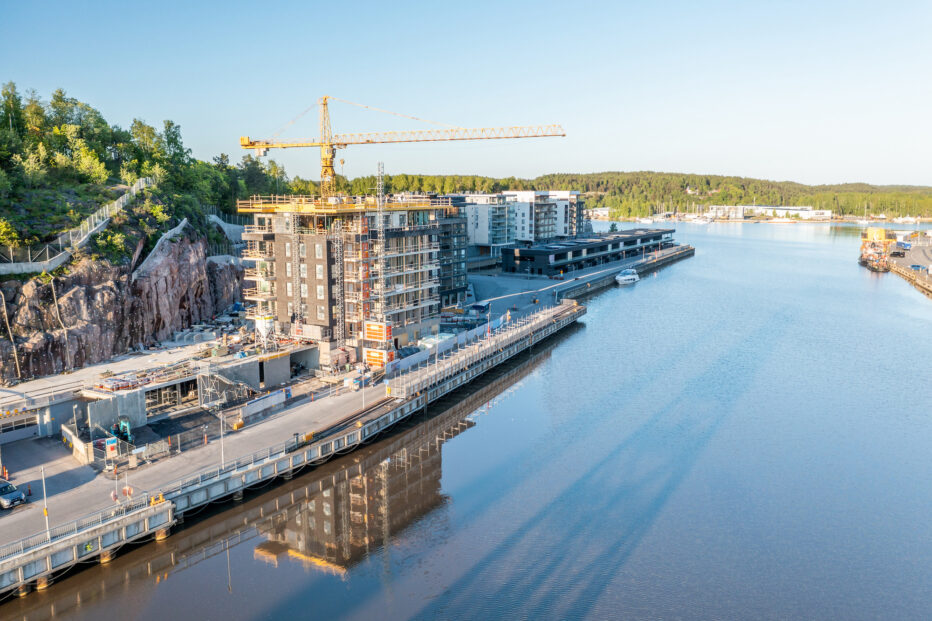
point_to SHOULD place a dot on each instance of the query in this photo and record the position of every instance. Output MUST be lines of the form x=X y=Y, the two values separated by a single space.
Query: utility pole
x=45 y=505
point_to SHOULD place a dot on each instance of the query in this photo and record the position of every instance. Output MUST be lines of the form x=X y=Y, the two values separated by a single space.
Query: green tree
x=11 y=110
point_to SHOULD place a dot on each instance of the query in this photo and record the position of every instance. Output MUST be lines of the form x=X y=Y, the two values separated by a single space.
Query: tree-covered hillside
x=60 y=160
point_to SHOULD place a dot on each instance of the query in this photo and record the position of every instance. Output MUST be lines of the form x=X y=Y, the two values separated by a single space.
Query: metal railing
x=73 y=527
x=73 y=238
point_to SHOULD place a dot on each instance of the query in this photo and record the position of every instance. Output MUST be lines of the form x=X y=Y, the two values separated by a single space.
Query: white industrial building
x=739 y=212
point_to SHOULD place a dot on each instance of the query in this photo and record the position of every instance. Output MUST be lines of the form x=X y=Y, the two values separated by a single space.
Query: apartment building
x=498 y=220
x=327 y=270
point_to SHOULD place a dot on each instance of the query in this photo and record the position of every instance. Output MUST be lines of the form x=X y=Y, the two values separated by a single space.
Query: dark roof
x=587 y=241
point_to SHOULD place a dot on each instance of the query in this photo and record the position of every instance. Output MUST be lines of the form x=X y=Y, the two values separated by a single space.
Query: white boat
x=701 y=220
x=863 y=222
x=645 y=221
x=627 y=277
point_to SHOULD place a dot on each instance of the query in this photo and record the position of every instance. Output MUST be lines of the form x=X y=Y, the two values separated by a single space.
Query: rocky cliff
x=106 y=310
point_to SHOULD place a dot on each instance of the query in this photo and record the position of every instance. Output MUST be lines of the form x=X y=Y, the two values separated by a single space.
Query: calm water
x=745 y=434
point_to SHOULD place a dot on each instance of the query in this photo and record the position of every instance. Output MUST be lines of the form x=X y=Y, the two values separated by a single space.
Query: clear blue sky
x=817 y=92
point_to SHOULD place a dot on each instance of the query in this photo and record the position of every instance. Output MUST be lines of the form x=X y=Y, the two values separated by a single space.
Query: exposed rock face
x=107 y=310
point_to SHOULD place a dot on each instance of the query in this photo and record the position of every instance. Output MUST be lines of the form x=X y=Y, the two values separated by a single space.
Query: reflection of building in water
x=358 y=508
x=404 y=468
x=339 y=525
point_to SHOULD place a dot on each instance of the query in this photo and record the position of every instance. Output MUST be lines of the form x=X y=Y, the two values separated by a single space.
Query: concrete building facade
x=328 y=271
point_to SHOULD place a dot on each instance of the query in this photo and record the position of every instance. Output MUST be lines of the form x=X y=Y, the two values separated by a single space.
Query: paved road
x=75 y=491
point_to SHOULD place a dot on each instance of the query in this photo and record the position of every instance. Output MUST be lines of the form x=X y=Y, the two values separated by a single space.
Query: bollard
x=43 y=583
x=28 y=489
x=106 y=556
x=162 y=533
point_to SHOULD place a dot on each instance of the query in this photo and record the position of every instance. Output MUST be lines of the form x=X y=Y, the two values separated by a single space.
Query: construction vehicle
x=122 y=430
x=330 y=142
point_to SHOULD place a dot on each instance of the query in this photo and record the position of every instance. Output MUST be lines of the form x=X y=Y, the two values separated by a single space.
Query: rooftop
x=593 y=240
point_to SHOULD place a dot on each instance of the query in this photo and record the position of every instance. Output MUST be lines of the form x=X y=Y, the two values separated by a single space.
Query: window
x=320 y=292
x=303 y=270
x=287 y=249
x=288 y=270
x=320 y=272
x=302 y=250
x=303 y=289
x=319 y=251
x=290 y=311
x=320 y=313
x=288 y=290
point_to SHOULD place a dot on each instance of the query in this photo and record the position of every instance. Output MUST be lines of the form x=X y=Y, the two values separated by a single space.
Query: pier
x=33 y=561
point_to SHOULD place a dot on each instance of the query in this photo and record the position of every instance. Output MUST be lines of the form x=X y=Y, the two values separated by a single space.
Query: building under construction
x=361 y=276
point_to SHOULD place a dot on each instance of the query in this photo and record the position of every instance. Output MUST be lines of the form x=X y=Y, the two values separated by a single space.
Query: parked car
x=897 y=253
x=10 y=496
x=918 y=268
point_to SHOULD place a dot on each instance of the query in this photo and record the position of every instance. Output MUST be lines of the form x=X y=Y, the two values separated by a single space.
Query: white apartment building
x=495 y=220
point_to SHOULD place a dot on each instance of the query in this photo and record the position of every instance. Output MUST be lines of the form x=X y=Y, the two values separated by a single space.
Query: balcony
x=258 y=275
x=255 y=232
x=257 y=251
x=258 y=295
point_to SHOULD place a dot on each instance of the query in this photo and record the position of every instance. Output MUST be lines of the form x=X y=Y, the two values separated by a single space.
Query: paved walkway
x=75 y=491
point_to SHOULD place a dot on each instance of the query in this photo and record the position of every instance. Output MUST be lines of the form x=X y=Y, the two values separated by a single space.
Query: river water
x=745 y=434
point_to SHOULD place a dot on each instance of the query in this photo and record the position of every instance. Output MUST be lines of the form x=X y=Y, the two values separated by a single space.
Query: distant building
x=739 y=212
x=561 y=256
x=498 y=220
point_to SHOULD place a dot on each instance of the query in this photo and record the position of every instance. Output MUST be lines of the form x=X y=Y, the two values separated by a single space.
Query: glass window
x=302 y=250
x=288 y=290
x=320 y=272
x=287 y=249
x=319 y=251
x=320 y=292
x=303 y=270
x=288 y=270
x=303 y=289
x=320 y=313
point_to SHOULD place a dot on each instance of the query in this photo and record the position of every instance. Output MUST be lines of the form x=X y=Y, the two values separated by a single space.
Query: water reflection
x=328 y=520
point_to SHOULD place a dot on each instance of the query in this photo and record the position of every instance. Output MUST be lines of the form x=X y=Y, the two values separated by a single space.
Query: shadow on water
x=329 y=519
x=627 y=488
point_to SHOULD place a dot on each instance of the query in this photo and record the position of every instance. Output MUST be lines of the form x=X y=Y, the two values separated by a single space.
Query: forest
x=60 y=160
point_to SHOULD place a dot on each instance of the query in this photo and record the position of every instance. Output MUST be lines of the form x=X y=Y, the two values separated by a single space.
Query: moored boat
x=627 y=277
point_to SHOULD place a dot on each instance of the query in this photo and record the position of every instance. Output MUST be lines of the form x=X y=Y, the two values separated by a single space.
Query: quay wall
x=642 y=267
x=34 y=561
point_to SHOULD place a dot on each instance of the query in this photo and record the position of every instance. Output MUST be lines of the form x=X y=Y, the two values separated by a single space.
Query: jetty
x=33 y=561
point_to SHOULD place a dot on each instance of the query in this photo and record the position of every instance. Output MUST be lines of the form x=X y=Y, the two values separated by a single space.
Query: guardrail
x=72 y=528
x=29 y=259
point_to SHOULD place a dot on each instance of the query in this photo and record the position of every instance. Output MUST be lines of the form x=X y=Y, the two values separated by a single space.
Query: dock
x=33 y=561
x=917 y=255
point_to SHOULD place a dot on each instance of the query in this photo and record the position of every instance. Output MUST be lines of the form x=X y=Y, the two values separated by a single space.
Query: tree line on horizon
x=59 y=158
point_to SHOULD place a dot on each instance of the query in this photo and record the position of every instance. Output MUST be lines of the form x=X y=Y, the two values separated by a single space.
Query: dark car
x=9 y=495
x=897 y=253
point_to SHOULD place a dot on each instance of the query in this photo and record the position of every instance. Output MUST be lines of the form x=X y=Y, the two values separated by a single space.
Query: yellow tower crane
x=330 y=142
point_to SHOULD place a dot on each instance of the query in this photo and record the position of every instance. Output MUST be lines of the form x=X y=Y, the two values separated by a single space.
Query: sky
x=815 y=92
